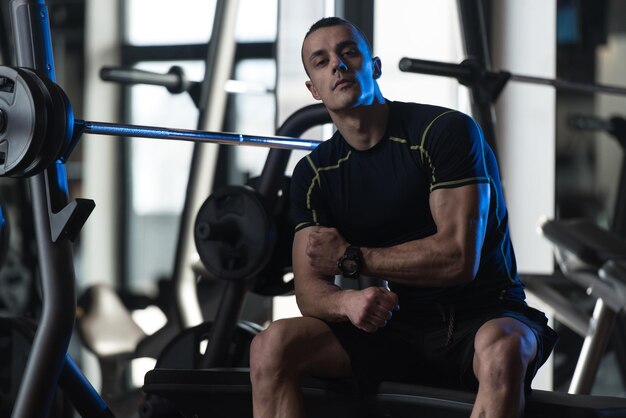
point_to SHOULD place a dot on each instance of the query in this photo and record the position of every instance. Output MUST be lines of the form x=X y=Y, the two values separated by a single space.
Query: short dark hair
x=335 y=21
x=326 y=22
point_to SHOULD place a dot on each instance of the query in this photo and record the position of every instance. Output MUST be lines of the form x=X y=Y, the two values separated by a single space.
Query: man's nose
x=340 y=65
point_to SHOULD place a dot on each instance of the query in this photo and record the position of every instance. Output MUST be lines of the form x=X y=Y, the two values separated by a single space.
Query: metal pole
x=282 y=142
x=472 y=16
x=570 y=86
x=593 y=348
x=31 y=34
x=212 y=105
x=468 y=75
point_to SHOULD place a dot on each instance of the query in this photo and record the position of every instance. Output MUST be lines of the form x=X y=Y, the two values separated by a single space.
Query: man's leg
x=504 y=347
x=286 y=351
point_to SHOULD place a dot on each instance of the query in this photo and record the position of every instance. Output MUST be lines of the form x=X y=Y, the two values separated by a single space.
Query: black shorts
x=434 y=347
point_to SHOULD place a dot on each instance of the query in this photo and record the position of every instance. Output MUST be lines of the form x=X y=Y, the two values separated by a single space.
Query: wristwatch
x=350 y=262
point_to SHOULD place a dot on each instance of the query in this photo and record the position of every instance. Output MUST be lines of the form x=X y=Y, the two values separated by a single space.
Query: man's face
x=341 y=69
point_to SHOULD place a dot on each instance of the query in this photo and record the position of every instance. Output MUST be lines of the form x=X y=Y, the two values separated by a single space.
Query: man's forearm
x=429 y=262
x=321 y=299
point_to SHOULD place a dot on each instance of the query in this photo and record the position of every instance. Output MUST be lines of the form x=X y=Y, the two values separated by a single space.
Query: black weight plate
x=184 y=350
x=69 y=124
x=24 y=106
x=270 y=280
x=233 y=234
x=55 y=122
x=56 y=132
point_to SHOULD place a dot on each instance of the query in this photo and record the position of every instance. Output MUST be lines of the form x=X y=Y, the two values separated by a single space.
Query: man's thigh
x=458 y=356
x=309 y=345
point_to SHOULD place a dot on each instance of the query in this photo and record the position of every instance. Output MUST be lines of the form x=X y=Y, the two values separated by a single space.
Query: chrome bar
x=102 y=128
x=592 y=350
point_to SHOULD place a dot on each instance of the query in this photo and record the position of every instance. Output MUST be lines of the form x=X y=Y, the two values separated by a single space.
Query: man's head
x=333 y=21
x=338 y=60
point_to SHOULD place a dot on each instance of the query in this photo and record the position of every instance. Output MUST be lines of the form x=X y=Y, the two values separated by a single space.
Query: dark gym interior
x=122 y=212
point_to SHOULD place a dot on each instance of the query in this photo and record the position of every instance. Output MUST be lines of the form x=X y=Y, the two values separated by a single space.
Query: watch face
x=350 y=263
x=349 y=266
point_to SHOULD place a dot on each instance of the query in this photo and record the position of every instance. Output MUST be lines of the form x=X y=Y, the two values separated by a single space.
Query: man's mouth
x=341 y=82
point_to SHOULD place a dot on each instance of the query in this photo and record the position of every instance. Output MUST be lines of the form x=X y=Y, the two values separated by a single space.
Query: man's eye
x=349 y=52
x=320 y=63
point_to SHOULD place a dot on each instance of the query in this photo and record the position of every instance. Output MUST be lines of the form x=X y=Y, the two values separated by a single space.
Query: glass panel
x=256 y=21
x=413 y=22
x=254 y=112
x=159 y=173
x=166 y=22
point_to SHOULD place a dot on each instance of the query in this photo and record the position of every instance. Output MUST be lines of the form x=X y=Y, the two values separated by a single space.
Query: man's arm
x=449 y=257
x=319 y=297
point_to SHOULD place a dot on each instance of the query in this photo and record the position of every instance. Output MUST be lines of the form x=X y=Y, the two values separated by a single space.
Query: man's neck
x=364 y=126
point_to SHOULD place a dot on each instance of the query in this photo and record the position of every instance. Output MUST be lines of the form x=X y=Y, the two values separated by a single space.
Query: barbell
x=469 y=73
x=37 y=126
x=235 y=232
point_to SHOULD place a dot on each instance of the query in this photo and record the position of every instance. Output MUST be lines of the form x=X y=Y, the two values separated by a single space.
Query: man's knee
x=503 y=350
x=268 y=349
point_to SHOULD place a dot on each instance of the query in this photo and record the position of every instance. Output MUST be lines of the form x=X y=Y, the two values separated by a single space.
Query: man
x=409 y=193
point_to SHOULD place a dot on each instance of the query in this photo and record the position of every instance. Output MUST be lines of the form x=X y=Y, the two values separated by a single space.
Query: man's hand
x=324 y=247
x=370 y=308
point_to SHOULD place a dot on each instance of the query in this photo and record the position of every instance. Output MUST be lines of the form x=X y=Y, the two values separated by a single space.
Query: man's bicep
x=461 y=215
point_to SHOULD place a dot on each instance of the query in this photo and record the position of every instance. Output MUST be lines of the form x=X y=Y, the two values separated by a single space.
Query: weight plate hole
x=6 y=84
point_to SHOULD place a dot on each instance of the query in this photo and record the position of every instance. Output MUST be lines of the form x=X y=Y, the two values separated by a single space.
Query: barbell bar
x=37 y=126
x=470 y=74
x=282 y=142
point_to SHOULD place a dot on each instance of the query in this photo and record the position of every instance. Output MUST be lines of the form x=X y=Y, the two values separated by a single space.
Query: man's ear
x=312 y=89
x=378 y=68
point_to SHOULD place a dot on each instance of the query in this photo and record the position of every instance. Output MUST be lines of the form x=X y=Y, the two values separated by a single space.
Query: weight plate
x=55 y=122
x=234 y=234
x=46 y=101
x=270 y=281
x=24 y=109
x=67 y=145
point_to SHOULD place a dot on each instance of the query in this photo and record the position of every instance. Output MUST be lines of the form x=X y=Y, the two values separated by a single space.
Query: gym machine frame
x=58 y=221
x=31 y=34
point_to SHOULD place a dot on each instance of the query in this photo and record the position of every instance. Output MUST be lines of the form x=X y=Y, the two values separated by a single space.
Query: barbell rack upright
x=51 y=211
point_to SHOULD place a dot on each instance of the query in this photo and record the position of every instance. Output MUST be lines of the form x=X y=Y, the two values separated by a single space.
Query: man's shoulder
x=325 y=154
x=412 y=120
x=422 y=111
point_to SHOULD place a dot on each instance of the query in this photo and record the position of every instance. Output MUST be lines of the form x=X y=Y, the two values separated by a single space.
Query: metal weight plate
x=55 y=138
x=39 y=90
x=271 y=280
x=24 y=109
x=234 y=234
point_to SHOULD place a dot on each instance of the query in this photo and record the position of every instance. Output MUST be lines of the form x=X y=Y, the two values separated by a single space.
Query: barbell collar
x=125 y=130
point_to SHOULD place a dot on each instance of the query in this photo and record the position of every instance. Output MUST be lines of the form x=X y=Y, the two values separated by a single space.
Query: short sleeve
x=307 y=205
x=453 y=148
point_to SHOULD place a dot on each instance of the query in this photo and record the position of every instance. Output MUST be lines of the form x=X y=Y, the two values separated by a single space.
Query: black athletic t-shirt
x=380 y=197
